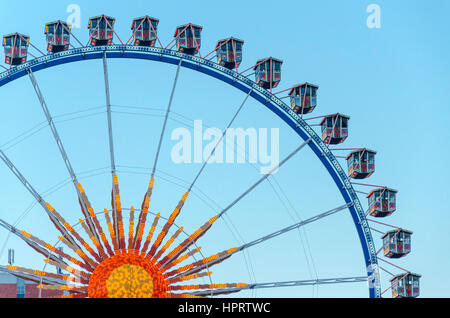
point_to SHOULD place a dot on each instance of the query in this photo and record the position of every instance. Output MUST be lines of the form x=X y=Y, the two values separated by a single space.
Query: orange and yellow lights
x=127 y=275
x=128 y=271
x=139 y=283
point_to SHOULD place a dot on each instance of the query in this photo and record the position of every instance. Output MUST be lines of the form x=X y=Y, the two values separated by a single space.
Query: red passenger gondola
x=229 y=52
x=188 y=38
x=16 y=48
x=334 y=128
x=268 y=72
x=405 y=285
x=304 y=98
x=101 y=30
x=361 y=163
x=144 y=31
x=397 y=243
x=382 y=202
x=58 y=36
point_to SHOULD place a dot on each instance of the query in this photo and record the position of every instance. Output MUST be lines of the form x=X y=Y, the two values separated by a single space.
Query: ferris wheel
x=149 y=249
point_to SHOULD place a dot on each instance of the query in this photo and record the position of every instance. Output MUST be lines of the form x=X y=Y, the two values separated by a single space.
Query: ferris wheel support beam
x=272 y=235
x=166 y=118
x=108 y=112
x=33 y=277
x=35 y=194
x=33 y=244
x=62 y=151
x=111 y=148
x=264 y=177
x=242 y=83
x=294 y=226
x=293 y=283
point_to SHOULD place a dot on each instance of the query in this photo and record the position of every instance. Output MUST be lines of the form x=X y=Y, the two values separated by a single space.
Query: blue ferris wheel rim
x=246 y=85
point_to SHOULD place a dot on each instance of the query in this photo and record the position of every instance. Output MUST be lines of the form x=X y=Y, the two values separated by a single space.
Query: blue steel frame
x=244 y=84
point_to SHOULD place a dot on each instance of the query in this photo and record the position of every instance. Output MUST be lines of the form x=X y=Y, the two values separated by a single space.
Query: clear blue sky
x=393 y=82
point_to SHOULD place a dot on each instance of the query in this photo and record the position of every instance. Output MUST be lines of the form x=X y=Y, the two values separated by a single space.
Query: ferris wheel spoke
x=220 y=140
x=294 y=226
x=48 y=250
x=108 y=110
x=30 y=242
x=37 y=196
x=220 y=257
x=264 y=177
x=60 y=278
x=64 y=156
x=32 y=277
x=293 y=283
x=145 y=203
x=166 y=118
